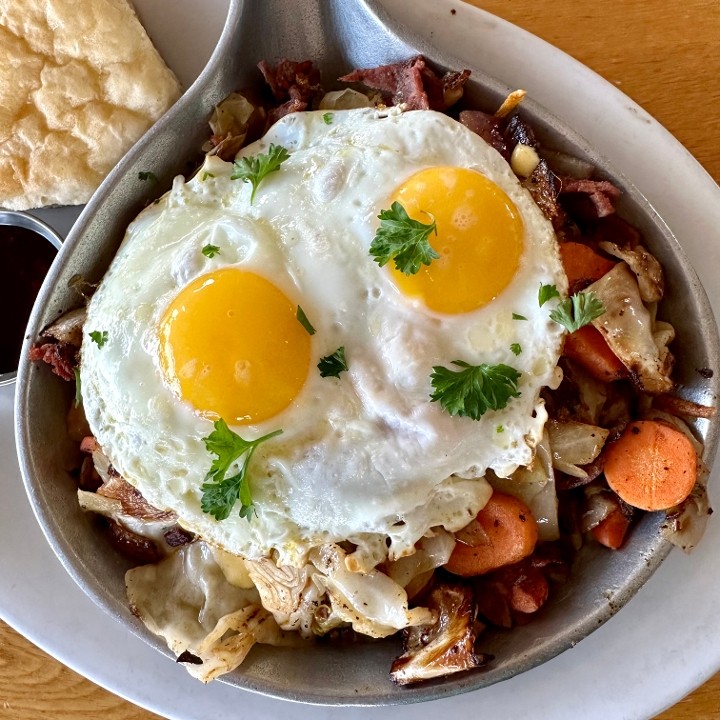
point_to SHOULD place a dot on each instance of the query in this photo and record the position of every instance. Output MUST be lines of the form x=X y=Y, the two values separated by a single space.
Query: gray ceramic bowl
x=339 y=35
x=28 y=222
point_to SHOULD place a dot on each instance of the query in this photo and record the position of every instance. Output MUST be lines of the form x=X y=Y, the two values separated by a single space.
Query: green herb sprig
x=333 y=365
x=577 y=311
x=302 y=318
x=256 y=168
x=220 y=493
x=78 y=389
x=547 y=292
x=474 y=389
x=99 y=337
x=404 y=240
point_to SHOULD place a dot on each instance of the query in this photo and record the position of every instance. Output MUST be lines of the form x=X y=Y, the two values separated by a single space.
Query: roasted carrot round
x=611 y=531
x=511 y=534
x=583 y=265
x=651 y=466
x=588 y=347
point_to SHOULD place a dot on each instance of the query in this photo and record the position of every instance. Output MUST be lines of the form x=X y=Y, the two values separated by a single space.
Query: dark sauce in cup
x=25 y=258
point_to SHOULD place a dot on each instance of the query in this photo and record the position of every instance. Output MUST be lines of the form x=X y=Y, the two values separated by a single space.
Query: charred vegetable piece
x=445 y=647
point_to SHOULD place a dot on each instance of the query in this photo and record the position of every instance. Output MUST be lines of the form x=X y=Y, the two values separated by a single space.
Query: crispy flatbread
x=80 y=82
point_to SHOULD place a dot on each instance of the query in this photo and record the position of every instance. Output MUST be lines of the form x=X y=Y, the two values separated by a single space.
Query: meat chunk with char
x=413 y=83
x=293 y=84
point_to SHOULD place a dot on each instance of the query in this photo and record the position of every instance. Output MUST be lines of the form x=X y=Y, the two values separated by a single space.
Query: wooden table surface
x=666 y=56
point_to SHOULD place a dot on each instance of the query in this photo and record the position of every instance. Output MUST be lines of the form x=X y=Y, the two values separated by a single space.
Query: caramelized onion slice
x=632 y=332
x=573 y=444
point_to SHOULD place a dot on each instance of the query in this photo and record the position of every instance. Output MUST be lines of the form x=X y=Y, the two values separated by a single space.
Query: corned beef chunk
x=488 y=127
x=612 y=228
x=444 y=92
x=286 y=108
x=59 y=355
x=589 y=199
x=413 y=83
x=518 y=131
x=583 y=199
x=291 y=80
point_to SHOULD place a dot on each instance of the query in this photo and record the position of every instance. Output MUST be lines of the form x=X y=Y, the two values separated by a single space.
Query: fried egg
x=200 y=310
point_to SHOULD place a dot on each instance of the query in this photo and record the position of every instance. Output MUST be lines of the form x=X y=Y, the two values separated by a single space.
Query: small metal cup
x=23 y=220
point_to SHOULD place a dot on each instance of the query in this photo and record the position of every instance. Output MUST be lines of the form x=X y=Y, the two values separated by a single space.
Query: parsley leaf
x=475 y=389
x=206 y=175
x=333 y=365
x=210 y=251
x=220 y=493
x=328 y=118
x=99 y=337
x=403 y=239
x=147 y=176
x=516 y=348
x=547 y=292
x=78 y=393
x=256 y=168
x=578 y=310
x=303 y=320
x=515 y=316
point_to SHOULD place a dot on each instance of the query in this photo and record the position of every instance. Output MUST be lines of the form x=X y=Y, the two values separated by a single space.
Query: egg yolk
x=479 y=238
x=231 y=345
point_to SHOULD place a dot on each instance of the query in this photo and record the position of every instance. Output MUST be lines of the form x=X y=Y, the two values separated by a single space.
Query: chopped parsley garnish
x=516 y=348
x=404 y=240
x=333 y=365
x=210 y=251
x=328 y=118
x=475 y=389
x=547 y=292
x=256 y=168
x=78 y=393
x=515 y=316
x=206 y=175
x=99 y=337
x=499 y=429
x=220 y=493
x=147 y=176
x=303 y=320
x=577 y=311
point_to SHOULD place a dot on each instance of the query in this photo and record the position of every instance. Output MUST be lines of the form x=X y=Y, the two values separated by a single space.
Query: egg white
x=364 y=457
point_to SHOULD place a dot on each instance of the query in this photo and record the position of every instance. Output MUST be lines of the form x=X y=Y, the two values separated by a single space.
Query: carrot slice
x=611 y=531
x=511 y=534
x=583 y=265
x=651 y=466
x=589 y=348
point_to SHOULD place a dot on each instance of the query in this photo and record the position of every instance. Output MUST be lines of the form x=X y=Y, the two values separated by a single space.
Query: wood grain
x=666 y=56
x=33 y=686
